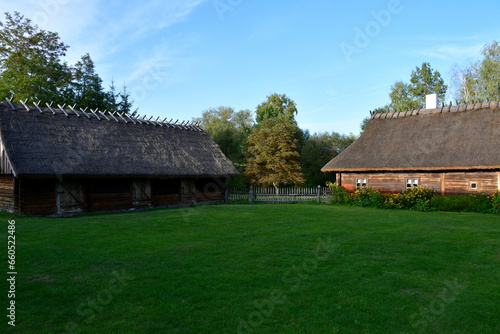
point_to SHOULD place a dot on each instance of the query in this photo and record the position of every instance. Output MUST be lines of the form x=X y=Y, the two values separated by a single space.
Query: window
x=473 y=185
x=360 y=183
x=410 y=183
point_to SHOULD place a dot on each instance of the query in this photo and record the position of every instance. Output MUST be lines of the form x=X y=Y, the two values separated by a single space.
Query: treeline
x=32 y=67
x=472 y=82
x=270 y=149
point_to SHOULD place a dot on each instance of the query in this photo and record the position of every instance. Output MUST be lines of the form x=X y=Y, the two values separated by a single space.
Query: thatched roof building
x=66 y=144
x=424 y=147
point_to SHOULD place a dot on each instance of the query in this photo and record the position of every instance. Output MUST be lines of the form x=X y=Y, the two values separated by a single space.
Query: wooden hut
x=451 y=149
x=56 y=160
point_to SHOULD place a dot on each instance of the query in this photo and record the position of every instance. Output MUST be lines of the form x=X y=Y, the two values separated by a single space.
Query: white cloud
x=451 y=52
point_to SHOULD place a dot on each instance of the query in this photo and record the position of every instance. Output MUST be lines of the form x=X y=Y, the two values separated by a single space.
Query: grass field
x=262 y=268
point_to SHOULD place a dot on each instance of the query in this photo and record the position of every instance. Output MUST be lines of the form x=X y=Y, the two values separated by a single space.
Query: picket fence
x=269 y=194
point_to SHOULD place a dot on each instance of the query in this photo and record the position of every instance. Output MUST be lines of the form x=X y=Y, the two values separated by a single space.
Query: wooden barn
x=58 y=161
x=454 y=150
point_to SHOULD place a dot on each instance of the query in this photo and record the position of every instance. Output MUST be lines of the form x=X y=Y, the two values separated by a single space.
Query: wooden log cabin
x=453 y=149
x=63 y=161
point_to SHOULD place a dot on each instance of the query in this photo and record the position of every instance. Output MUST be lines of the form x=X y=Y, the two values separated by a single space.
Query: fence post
x=318 y=196
x=250 y=195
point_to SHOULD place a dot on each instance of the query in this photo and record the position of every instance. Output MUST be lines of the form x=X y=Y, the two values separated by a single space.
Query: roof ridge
x=102 y=115
x=443 y=109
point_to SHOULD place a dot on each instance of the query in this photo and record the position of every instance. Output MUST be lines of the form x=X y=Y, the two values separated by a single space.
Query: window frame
x=360 y=183
x=412 y=182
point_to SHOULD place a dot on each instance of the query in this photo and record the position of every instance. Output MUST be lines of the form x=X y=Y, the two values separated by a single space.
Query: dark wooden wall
x=209 y=189
x=165 y=192
x=444 y=183
x=51 y=196
x=7 y=193
x=37 y=196
x=108 y=194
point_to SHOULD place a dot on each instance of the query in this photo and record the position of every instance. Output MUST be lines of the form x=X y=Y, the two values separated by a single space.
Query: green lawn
x=262 y=268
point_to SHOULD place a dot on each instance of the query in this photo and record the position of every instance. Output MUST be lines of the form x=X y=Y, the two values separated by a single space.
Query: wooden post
x=226 y=193
x=250 y=195
x=319 y=194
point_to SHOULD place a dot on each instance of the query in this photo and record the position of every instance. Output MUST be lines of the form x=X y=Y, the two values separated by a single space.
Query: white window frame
x=412 y=182
x=475 y=183
x=361 y=183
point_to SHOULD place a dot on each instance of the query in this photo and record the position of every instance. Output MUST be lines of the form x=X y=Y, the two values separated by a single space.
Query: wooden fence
x=269 y=194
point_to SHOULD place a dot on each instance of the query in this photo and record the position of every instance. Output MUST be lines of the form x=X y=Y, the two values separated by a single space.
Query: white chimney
x=431 y=101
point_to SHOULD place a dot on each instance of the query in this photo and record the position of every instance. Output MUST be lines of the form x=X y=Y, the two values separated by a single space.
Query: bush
x=339 y=194
x=413 y=196
x=419 y=198
x=495 y=202
x=368 y=197
x=481 y=203
x=393 y=201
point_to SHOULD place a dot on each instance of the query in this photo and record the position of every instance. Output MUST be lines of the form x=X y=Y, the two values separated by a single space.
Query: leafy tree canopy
x=479 y=81
x=409 y=96
x=317 y=150
x=276 y=105
x=30 y=61
x=32 y=67
x=273 y=156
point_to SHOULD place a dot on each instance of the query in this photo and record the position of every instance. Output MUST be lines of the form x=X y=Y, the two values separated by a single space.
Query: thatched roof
x=49 y=141
x=448 y=138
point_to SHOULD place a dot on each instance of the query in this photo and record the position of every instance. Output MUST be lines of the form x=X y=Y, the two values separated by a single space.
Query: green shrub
x=368 y=197
x=419 y=198
x=339 y=194
x=423 y=206
x=412 y=196
x=393 y=201
x=480 y=203
x=495 y=202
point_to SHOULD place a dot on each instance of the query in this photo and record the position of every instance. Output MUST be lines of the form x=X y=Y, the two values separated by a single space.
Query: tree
x=478 y=81
x=87 y=87
x=31 y=66
x=424 y=80
x=465 y=81
x=317 y=151
x=401 y=97
x=489 y=73
x=273 y=157
x=125 y=105
x=276 y=105
x=230 y=130
x=30 y=61
x=409 y=96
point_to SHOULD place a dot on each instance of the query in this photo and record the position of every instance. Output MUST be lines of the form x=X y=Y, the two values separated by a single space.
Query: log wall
x=108 y=194
x=209 y=190
x=34 y=196
x=37 y=196
x=7 y=193
x=444 y=183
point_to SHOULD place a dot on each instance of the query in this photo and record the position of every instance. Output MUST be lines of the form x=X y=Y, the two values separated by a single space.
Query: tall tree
x=424 y=80
x=30 y=61
x=465 y=81
x=229 y=129
x=126 y=104
x=479 y=81
x=87 y=85
x=317 y=150
x=408 y=96
x=489 y=72
x=273 y=156
x=401 y=97
x=276 y=105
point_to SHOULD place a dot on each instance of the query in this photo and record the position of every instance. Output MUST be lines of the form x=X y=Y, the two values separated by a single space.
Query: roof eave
x=403 y=169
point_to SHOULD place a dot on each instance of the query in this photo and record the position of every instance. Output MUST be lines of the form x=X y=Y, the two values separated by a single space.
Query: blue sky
x=336 y=59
